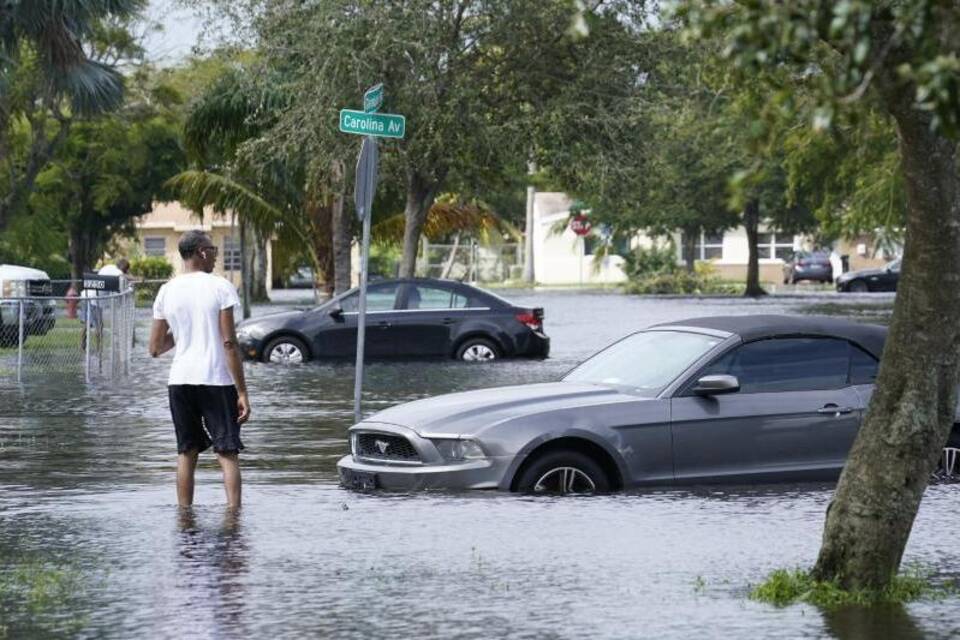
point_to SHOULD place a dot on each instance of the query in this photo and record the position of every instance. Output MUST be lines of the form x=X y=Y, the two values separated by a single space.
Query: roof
x=868 y=336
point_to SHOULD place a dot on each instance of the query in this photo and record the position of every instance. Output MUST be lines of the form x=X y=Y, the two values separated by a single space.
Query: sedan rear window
x=644 y=362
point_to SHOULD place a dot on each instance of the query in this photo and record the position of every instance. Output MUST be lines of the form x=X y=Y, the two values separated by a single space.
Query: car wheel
x=858 y=286
x=564 y=472
x=285 y=350
x=477 y=350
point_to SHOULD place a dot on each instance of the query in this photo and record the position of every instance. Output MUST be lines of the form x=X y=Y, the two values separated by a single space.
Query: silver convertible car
x=719 y=399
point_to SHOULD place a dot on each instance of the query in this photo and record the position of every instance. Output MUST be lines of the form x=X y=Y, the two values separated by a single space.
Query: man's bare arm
x=228 y=331
x=161 y=340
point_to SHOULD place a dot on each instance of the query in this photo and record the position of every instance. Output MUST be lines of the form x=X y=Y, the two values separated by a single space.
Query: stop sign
x=580 y=224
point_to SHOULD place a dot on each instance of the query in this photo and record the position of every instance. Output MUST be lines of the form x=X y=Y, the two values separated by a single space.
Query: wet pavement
x=87 y=493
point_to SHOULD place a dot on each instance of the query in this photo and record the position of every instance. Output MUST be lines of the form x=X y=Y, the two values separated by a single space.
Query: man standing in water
x=193 y=314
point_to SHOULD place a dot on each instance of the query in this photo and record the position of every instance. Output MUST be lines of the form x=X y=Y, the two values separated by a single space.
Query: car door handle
x=383 y=324
x=449 y=320
x=834 y=409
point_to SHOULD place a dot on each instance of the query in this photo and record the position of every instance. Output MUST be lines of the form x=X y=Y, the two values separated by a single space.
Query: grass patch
x=38 y=598
x=784 y=587
x=872 y=312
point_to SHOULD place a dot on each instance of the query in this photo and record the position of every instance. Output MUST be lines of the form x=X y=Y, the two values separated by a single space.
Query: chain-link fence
x=472 y=262
x=86 y=335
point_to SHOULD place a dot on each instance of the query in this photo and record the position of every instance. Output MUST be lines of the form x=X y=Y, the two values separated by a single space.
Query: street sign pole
x=371 y=125
x=361 y=316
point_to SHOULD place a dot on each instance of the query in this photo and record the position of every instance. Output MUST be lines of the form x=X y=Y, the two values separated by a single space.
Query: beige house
x=564 y=258
x=159 y=231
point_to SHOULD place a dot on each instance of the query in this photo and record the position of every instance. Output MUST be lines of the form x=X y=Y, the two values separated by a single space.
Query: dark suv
x=808 y=265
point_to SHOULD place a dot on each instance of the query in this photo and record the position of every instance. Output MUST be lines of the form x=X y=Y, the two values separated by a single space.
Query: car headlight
x=458 y=450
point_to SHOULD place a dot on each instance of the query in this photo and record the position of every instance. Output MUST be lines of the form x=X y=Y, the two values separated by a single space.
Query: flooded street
x=87 y=487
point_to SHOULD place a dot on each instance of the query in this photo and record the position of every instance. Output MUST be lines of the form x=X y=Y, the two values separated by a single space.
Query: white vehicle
x=23 y=283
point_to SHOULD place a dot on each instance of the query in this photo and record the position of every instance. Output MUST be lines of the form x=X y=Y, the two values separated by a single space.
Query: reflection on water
x=859 y=623
x=87 y=474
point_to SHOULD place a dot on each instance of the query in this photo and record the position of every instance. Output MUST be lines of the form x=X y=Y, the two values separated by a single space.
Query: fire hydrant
x=71 y=303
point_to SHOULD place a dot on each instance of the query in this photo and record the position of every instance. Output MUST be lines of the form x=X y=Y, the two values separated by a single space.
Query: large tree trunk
x=320 y=215
x=342 y=234
x=751 y=221
x=914 y=404
x=79 y=255
x=420 y=195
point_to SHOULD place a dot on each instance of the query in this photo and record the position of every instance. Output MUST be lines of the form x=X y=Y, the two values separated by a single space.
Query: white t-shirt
x=191 y=305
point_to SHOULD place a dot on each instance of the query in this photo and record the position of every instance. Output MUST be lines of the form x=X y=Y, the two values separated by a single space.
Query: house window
x=232 y=260
x=773 y=245
x=707 y=247
x=155 y=247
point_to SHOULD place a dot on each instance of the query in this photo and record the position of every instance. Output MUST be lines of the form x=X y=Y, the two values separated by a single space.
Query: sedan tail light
x=533 y=318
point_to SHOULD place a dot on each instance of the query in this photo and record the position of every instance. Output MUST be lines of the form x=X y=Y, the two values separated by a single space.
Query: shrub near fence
x=151 y=272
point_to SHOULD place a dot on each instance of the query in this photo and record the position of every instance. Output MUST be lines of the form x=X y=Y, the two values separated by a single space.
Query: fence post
x=113 y=337
x=20 y=342
x=87 y=339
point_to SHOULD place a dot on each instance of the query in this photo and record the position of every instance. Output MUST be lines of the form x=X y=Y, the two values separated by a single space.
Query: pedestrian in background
x=193 y=315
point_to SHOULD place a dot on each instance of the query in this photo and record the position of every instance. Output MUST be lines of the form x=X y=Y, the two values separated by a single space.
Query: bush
x=151 y=268
x=702 y=280
x=154 y=270
x=643 y=261
x=785 y=587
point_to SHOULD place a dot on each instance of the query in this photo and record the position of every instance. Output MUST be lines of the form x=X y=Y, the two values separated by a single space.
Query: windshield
x=645 y=362
x=894 y=266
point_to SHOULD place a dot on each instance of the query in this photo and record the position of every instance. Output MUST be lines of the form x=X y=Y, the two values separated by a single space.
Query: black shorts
x=205 y=415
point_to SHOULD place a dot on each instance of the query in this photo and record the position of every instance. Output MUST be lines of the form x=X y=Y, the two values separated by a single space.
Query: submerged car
x=31 y=289
x=406 y=318
x=884 y=279
x=707 y=400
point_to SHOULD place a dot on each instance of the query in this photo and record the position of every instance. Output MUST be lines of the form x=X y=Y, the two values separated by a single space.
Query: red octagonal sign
x=580 y=224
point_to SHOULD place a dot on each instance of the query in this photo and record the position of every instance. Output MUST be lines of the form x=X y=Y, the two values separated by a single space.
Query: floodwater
x=87 y=491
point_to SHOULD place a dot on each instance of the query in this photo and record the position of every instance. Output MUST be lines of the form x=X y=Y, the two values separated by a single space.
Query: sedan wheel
x=477 y=350
x=285 y=351
x=858 y=286
x=563 y=472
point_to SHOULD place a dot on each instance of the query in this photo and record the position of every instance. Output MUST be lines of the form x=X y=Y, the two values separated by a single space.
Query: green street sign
x=373 y=98
x=381 y=125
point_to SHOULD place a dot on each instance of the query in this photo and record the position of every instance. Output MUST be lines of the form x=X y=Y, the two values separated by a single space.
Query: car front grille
x=380 y=446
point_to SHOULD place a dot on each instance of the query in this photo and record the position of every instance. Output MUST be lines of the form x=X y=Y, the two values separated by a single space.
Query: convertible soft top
x=868 y=336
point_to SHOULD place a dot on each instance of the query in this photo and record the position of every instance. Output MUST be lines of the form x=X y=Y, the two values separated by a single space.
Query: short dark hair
x=123 y=264
x=191 y=241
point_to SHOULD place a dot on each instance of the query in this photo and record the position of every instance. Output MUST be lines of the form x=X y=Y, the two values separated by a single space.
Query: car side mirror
x=336 y=313
x=716 y=385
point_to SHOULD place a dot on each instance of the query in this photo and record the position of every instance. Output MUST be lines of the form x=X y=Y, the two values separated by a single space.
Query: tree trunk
x=245 y=268
x=321 y=225
x=751 y=221
x=420 y=195
x=79 y=255
x=451 y=258
x=689 y=237
x=342 y=234
x=260 y=269
x=914 y=404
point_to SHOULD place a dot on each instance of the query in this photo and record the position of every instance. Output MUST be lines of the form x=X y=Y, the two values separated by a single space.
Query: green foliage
x=151 y=268
x=38 y=596
x=384 y=259
x=783 y=588
x=701 y=281
x=647 y=261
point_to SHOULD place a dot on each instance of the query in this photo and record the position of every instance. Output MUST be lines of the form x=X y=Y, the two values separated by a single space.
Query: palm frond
x=446 y=218
x=201 y=189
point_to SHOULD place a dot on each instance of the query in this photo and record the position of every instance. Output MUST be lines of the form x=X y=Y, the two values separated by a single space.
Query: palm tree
x=46 y=39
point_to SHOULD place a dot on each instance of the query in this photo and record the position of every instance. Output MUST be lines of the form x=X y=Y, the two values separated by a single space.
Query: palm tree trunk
x=244 y=268
x=260 y=269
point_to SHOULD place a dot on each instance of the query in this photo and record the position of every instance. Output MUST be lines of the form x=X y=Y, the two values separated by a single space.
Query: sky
x=181 y=29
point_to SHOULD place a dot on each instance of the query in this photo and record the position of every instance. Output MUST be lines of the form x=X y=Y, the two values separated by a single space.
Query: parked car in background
x=39 y=316
x=302 y=278
x=406 y=318
x=808 y=265
x=706 y=400
x=883 y=279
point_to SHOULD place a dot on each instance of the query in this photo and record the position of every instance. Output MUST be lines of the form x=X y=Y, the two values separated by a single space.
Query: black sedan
x=406 y=318
x=808 y=265
x=884 y=279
